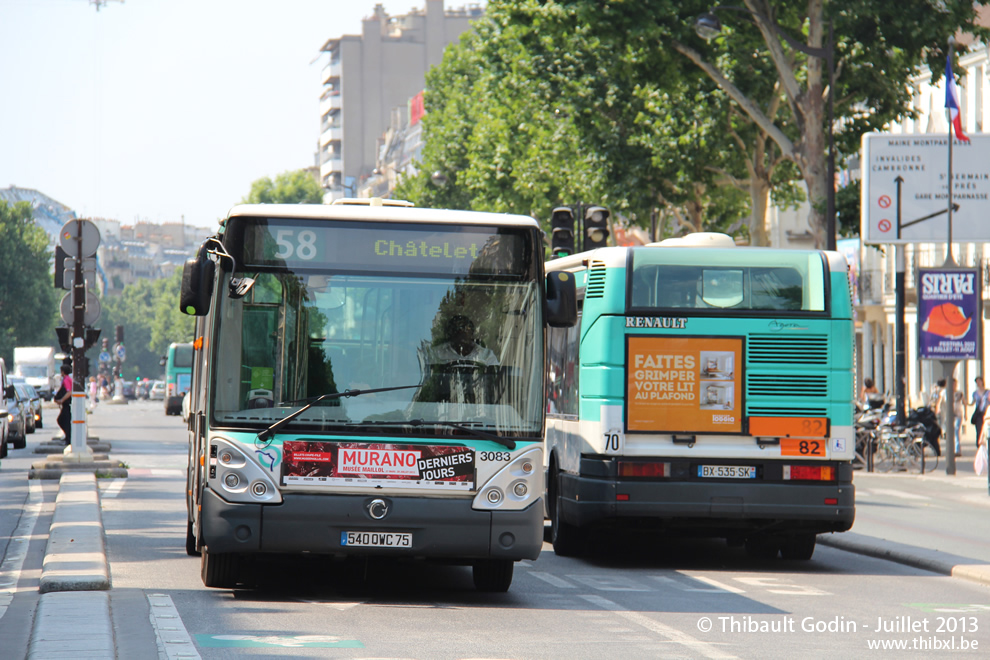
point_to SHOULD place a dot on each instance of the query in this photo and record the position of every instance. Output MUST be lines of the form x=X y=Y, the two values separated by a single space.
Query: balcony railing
x=331 y=71
x=332 y=102
x=331 y=134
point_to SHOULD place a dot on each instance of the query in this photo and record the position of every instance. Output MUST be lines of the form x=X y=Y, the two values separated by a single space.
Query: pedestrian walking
x=64 y=399
x=981 y=396
x=959 y=411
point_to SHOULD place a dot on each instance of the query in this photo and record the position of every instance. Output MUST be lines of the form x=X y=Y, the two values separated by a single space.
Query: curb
x=73 y=616
x=908 y=555
x=76 y=556
x=72 y=624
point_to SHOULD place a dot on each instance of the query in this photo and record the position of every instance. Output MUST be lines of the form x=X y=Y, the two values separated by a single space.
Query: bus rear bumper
x=716 y=506
x=441 y=528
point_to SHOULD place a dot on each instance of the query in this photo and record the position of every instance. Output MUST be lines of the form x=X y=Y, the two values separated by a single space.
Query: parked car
x=141 y=388
x=31 y=394
x=128 y=389
x=6 y=394
x=157 y=391
x=18 y=410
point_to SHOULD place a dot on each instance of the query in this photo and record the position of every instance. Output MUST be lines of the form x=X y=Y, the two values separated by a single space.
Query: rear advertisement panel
x=684 y=384
x=313 y=463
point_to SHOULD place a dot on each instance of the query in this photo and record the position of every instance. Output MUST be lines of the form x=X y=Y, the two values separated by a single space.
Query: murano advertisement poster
x=949 y=319
x=684 y=384
x=313 y=463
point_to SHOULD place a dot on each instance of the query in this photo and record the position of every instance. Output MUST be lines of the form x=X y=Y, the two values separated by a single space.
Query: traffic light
x=60 y=256
x=595 y=227
x=119 y=334
x=561 y=232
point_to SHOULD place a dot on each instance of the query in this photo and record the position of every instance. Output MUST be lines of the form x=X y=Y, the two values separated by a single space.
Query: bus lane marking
x=170 y=633
x=608 y=582
x=672 y=634
x=17 y=547
x=718 y=586
x=113 y=489
x=552 y=580
x=775 y=586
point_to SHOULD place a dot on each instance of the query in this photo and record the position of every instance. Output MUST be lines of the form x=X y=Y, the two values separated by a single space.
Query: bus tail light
x=643 y=469
x=809 y=473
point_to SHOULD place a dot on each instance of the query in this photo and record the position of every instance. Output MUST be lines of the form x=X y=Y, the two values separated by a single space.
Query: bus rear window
x=727 y=279
x=183 y=356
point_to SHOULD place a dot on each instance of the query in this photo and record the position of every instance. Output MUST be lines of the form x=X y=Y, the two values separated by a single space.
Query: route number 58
x=295 y=244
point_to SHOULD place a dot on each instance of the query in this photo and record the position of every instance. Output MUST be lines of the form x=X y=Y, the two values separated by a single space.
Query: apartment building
x=371 y=74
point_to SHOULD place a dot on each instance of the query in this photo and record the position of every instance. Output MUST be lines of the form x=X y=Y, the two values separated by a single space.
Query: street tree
x=294 y=187
x=28 y=300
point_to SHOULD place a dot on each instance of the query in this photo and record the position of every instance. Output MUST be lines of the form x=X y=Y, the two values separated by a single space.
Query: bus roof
x=385 y=213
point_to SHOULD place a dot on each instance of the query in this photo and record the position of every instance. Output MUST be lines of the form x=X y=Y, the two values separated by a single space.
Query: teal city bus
x=706 y=389
x=369 y=381
x=178 y=376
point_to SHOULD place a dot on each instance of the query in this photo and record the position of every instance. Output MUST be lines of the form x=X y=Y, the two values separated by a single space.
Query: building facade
x=877 y=266
x=367 y=77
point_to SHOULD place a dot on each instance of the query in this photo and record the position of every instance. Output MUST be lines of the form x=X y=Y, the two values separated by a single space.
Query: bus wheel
x=799 y=547
x=762 y=547
x=566 y=538
x=220 y=570
x=493 y=574
x=190 y=540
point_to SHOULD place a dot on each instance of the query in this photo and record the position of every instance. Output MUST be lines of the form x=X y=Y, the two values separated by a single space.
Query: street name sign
x=904 y=196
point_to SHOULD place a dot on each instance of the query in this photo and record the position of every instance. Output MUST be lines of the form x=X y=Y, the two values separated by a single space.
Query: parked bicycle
x=885 y=444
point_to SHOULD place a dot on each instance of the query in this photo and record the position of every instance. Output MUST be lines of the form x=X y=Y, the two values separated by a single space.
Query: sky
x=164 y=110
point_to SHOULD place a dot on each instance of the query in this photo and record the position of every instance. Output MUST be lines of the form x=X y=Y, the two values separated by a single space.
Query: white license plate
x=376 y=539
x=727 y=471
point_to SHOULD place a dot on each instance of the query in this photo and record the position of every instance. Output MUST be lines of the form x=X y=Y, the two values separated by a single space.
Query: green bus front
x=404 y=455
x=178 y=376
x=706 y=391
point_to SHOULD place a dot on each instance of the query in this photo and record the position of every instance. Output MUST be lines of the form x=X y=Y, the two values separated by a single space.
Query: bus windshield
x=304 y=332
x=728 y=279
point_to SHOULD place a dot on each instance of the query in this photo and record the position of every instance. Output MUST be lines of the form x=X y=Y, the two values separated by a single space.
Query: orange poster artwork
x=684 y=384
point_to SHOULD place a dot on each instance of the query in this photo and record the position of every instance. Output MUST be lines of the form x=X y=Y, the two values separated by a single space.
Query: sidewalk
x=939 y=526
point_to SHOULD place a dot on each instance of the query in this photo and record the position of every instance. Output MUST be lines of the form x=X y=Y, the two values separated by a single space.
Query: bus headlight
x=237 y=477
x=515 y=486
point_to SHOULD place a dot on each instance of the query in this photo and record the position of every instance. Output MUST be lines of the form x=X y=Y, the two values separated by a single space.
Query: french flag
x=952 y=99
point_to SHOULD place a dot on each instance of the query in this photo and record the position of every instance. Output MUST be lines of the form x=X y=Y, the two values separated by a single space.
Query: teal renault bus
x=178 y=376
x=707 y=389
x=369 y=381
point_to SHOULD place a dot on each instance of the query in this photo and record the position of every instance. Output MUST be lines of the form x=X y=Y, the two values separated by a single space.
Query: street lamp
x=707 y=26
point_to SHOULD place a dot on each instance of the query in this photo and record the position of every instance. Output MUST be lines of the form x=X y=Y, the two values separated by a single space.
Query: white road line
x=719 y=586
x=552 y=580
x=173 y=640
x=672 y=634
x=904 y=495
x=113 y=489
x=17 y=547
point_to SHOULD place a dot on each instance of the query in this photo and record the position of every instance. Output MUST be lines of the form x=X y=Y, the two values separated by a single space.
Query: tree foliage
x=555 y=101
x=28 y=299
x=149 y=312
x=294 y=187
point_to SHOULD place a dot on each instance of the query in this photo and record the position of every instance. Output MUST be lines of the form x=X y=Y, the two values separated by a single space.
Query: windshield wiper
x=509 y=443
x=270 y=431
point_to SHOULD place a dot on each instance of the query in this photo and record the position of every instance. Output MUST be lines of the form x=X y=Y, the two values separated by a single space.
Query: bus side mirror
x=197 y=285
x=561 y=299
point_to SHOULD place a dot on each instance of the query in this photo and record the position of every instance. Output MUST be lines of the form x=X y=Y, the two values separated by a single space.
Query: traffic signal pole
x=79 y=450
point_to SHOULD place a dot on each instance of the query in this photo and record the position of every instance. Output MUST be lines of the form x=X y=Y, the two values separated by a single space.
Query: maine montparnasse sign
x=905 y=188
